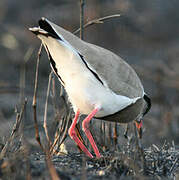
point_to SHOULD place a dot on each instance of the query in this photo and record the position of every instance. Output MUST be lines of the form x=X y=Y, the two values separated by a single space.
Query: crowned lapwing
x=99 y=83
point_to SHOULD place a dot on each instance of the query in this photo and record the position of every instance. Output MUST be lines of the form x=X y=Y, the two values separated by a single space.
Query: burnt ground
x=152 y=163
x=146 y=36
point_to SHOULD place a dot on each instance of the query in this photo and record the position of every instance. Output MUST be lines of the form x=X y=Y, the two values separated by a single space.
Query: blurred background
x=146 y=36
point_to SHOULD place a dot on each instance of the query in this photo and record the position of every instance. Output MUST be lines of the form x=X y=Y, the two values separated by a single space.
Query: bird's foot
x=74 y=136
x=85 y=126
x=72 y=133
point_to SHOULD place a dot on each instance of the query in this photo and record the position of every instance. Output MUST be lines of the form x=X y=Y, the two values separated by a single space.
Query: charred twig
x=15 y=129
x=97 y=21
x=34 y=103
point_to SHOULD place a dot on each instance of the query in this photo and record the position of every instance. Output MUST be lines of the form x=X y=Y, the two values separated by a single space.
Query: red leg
x=139 y=128
x=138 y=125
x=74 y=136
x=85 y=126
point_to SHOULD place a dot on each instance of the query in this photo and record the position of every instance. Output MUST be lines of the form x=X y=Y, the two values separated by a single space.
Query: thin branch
x=36 y=77
x=15 y=129
x=34 y=103
x=46 y=107
x=104 y=135
x=51 y=168
x=97 y=21
x=109 y=134
x=126 y=131
x=64 y=114
x=82 y=4
x=67 y=120
x=115 y=135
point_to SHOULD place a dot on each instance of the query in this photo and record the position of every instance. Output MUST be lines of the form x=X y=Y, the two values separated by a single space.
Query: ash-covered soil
x=123 y=163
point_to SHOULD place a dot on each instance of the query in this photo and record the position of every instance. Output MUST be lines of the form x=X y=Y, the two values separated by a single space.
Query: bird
x=99 y=83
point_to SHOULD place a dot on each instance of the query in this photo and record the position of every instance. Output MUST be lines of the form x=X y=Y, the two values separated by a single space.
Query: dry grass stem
x=104 y=135
x=115 y=135
x=82 y=4
x=34 y=103
x=97 y=21
x=126 y=131
x=67 y=122
x=51 y=168
x=109 y=135
x=16 y=126
x=46 y=108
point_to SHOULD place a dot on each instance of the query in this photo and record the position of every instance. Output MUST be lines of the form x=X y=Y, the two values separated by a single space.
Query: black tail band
x=148 y=101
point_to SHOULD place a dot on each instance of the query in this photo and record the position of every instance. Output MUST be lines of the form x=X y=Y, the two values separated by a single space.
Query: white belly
x=87 y=93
